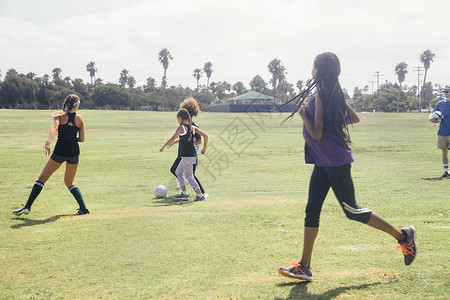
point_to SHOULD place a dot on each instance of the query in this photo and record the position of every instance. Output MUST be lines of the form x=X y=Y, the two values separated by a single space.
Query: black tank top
x=67 y=143
x=186 y=144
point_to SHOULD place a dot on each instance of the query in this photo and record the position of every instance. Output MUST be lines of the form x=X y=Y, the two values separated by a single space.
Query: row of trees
x=391 y=97
x=47 y=92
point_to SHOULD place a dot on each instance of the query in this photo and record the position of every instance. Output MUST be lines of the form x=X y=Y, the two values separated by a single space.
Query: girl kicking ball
x=325 y=118
x=185 y=133
x=70 y=128
x=191 y=105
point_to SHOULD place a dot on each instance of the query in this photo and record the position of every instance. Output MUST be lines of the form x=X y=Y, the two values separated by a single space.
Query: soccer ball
x=436 y=115
x=160 y=191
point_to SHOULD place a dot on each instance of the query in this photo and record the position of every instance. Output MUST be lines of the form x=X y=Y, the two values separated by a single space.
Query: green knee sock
x=37 y=188
x=77 y=194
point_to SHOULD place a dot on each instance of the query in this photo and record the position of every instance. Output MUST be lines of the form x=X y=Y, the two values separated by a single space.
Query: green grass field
x=134 y=246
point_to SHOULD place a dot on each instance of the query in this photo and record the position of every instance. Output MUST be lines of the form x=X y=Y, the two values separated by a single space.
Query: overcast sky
x=239 y=37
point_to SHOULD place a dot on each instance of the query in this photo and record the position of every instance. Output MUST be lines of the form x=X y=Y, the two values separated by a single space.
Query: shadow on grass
x=168 y=201
x=31 y=222
x=300 y=290
x=434 y=178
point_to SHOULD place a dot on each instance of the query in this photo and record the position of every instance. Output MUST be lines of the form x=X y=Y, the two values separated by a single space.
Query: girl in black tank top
x=66 y=150
x=67 y=143
x=185 y=132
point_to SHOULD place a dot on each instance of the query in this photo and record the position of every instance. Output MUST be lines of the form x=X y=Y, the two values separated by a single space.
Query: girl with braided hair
x=191 y=105
x=70 y=128
x=186 y=132
x=326 y=117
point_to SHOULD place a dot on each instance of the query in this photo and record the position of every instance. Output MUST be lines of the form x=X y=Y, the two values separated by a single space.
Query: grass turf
x=133 y=245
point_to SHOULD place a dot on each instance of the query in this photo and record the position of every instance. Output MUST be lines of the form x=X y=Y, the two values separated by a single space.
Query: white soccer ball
x=160 y=191
x=436 y=115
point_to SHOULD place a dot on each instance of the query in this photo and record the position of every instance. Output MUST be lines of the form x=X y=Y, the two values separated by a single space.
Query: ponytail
x=184 y=115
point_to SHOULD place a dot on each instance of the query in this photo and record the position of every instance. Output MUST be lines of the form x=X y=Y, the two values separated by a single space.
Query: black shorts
x=60 y=159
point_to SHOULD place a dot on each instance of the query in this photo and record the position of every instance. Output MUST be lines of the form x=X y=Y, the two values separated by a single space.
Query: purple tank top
x=330 y=150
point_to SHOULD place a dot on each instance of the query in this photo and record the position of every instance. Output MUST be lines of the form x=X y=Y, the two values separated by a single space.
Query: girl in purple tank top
x=325 y=117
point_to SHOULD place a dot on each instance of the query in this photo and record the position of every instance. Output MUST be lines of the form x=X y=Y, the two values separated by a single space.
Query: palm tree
x=56 y=73
x=300 y=85
x=164 y=57
x=400 y=70
x=131 y=82
x=90 y=67
x=426 y=58
x=278 y=75
x=207 y=68
x=123 y=79
x=197 y=75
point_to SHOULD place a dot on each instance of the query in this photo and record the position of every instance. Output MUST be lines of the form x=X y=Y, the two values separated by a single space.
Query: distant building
x=250 y=102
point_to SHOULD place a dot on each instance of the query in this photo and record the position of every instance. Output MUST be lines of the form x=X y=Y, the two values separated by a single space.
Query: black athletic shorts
x=60 y=159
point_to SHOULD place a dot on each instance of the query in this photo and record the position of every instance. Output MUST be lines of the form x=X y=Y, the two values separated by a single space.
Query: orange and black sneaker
x=296 y=271
x=408 y=245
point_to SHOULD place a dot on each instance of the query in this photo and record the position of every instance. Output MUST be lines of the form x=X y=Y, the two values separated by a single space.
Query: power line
x=419 y=73
x=377 y=74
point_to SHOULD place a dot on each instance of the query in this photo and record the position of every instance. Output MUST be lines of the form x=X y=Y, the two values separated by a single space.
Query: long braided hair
x=335 y=109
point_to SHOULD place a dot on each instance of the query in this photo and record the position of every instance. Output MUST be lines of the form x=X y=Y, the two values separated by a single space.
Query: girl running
x=70 y=128
x=191 y=105
x=325 y=118
x=185 y=132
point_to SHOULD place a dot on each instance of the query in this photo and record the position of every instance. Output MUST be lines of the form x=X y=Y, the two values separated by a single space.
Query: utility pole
x=372 y=82
x=419 y=73
x=377 y=74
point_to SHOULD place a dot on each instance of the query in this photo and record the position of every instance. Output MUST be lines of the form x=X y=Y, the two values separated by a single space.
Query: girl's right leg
x=50 y=167
x=318 y=190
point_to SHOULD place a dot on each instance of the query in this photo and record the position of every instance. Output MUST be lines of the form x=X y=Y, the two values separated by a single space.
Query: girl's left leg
x=342 y=184
x=187 y=164
x=71 y=171
x=196 y=179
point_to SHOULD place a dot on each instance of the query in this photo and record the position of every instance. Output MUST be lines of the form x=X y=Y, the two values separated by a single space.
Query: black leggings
x=340 y=180
x=174 y=167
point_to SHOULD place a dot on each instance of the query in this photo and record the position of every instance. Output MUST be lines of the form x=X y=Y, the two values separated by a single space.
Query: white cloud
x=240 y=38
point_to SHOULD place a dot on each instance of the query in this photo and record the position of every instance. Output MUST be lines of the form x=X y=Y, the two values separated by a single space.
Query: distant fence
x=248 y=108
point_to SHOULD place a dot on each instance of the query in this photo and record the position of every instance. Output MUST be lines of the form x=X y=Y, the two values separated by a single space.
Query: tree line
x=28 y=91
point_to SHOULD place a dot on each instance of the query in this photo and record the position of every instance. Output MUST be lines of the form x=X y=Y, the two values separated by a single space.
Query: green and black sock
x=77 y=194
x=37 y=188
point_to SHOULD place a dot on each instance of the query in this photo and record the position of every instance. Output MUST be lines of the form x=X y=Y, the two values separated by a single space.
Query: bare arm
x=173 y=143
x=205 y=137
x=314 y=129
x=80 y=125
x=47 y=151
x=178 y=131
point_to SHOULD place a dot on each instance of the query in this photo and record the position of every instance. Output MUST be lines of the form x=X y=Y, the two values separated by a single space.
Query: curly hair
x=191 y=105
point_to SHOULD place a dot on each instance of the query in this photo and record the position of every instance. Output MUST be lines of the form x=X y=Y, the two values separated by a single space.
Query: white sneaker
x=21 y=211
x=200 y=198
